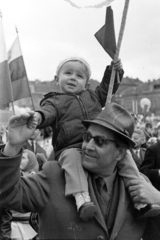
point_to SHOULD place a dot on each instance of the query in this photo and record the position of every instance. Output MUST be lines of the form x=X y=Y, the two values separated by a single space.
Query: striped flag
x=20 y=84
x=5 y=81
x=89 y=3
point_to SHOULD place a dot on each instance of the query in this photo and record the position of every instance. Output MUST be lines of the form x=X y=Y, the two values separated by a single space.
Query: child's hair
x=79 y=59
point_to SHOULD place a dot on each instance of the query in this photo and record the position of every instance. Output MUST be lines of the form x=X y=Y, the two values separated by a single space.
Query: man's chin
x=88 y=162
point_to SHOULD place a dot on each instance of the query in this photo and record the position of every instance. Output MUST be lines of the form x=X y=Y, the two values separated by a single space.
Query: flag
x=106 y=35
x=86 y=3
x=5 y=81
x=20 y=84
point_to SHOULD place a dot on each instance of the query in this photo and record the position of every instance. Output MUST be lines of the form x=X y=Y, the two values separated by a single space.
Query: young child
x=64 y=112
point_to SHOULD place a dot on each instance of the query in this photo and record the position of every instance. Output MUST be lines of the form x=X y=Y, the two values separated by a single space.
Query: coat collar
x=118 y=207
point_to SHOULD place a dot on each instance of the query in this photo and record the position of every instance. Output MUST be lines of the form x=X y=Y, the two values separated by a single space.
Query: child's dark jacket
x=64 y=112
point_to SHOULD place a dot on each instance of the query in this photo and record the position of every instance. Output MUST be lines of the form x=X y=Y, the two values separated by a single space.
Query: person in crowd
x=5 y=214
x=5 y=224
x=20 y=226
x=151 y=141
x=64 y=112
x=33 y=145
x=46 y=141
x=144 y=140
x=151 y=164
x=3 y=134
x=104 y=145
x=41 y=160
x=157 y=129
x=151 y=168
x=144 y=192
x=148 y=130
x=137 y=151
x=29 y=163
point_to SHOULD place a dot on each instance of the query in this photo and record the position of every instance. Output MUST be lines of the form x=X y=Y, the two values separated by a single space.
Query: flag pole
x=121 y=32
x=12 y=104
x=26 y=76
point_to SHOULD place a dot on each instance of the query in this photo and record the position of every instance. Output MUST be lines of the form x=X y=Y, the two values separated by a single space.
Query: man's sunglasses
x=99 y=141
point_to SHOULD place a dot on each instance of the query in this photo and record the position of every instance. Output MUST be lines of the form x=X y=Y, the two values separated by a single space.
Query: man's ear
x=56 y=79
x=120 y=153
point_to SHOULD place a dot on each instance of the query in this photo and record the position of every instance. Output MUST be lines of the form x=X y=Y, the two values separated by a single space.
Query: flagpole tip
x=16 y=29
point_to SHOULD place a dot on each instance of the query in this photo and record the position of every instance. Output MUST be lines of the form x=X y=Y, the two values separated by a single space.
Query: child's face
x=73 y=77
x=24 y=161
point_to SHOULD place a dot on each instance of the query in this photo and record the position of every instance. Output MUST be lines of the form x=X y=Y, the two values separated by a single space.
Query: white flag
x=20 y=84
x=5 y=81
x=89 y=3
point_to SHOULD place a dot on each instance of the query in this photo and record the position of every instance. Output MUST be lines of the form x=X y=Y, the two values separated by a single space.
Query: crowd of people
x=96 y=178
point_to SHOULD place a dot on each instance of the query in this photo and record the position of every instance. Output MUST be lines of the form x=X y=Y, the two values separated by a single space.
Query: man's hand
x=143 y=192
x=20 y=128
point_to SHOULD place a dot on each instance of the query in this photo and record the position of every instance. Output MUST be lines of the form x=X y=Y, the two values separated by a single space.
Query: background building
x=129 y=94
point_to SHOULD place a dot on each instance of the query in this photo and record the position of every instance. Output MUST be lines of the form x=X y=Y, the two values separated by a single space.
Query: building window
x=157 y=86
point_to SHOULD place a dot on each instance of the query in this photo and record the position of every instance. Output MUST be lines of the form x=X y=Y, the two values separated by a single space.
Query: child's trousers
x=75 y=176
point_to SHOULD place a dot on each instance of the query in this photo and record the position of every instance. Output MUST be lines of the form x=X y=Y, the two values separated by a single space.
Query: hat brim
x=128 y=140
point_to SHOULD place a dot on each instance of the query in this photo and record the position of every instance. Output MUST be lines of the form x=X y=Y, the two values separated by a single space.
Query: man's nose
x=91 y=144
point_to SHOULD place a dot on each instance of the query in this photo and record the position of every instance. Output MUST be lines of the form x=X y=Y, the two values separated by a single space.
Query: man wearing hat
x=105 y=143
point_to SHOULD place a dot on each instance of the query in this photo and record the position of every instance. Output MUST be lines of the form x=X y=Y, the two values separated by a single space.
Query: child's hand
x=38 y=118
x=118 y=66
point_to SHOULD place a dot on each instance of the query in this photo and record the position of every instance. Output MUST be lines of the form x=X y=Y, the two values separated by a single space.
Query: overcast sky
x=50 y=30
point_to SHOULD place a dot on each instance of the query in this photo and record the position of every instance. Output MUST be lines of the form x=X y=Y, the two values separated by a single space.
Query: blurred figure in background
x=33 y=143
x=5 y=224
x=3 y=134
x=151 y=141
x=20 y=227
x=29 y=163
x=41 y=160
x=148 y=130
x=46 y=141
x=151 y=168
x=137 y=151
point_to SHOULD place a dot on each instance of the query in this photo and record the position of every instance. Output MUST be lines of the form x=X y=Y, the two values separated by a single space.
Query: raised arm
x=22 y=194
x=103 y=88
x=20 y=128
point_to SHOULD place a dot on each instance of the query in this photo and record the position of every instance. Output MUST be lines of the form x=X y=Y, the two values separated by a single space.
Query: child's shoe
x=87 y=211
x=85 y=207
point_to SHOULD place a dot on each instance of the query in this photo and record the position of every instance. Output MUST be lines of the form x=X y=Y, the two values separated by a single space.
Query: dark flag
x=106 y=35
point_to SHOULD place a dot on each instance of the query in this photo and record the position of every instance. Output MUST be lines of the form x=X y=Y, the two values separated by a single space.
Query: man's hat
x=117 y=119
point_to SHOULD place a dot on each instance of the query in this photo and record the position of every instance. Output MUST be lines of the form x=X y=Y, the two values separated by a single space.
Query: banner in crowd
x=89 y=3
x=20 y=84
x=5 y=81
x=106 y=35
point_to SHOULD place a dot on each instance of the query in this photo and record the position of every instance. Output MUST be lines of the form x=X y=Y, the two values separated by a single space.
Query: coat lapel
x=94 y=196
x=118 y=207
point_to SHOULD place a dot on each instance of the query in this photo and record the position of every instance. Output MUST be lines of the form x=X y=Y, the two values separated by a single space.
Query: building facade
x=129 y=94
